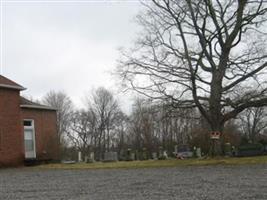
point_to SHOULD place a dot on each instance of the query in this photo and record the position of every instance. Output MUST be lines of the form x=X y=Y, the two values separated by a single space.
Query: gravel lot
x=185 y=183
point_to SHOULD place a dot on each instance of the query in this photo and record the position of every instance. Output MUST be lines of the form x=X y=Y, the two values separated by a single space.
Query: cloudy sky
x=65 y=45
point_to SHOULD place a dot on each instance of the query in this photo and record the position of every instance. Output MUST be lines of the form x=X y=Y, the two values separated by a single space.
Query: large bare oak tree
x=209 y=54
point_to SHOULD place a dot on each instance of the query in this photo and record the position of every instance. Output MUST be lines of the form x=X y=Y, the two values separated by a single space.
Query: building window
x=27 y=122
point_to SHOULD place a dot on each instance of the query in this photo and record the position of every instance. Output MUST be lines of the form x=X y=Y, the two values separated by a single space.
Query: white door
x=29 y=139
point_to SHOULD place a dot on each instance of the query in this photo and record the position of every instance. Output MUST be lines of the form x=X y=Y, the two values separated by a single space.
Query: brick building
x=27 y=130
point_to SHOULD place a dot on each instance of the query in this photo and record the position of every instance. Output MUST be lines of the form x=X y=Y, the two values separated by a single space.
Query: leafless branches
x=64 y=106
x=207 y=54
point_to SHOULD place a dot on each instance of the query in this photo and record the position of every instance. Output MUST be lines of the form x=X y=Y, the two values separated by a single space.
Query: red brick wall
x=46 y=140
x=11 y=135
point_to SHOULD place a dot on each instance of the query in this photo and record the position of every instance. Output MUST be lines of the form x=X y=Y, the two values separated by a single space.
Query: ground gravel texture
x=186 y=183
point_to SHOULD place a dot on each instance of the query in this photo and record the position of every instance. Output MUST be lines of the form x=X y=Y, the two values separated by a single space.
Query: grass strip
x=159 y=163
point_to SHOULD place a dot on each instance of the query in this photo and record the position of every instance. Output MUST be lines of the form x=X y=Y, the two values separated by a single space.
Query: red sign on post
x=215 y=135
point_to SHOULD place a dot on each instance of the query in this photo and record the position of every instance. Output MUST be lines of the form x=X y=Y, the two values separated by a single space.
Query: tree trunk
x=215 y=112
x=216 y=144
x=216 y=147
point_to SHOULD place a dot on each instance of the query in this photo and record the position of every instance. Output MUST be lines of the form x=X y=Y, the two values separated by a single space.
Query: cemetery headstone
x=227 y=149
x=198 y=152
x=160 y=152
x=129 y=155
x=91 y=158
x=144 y=154
x=154 y=156
x=110 y=156
x=132 y=157
x=80 y=156
x=165 y=154
x=195 y=152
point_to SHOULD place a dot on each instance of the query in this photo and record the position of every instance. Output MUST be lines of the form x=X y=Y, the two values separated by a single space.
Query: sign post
x=215 y=142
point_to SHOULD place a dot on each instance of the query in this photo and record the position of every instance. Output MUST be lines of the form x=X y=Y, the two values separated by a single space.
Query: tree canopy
x=209 y=54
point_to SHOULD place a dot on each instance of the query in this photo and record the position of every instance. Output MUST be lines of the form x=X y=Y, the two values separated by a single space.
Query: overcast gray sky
x=69 y=46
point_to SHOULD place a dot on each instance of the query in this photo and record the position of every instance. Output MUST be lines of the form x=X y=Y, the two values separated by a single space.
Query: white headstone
x=92 y=156
x=198 y=152
x=165 y=155
x=80 y=156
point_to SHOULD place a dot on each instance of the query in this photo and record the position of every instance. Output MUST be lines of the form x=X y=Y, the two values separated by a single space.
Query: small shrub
x=250 y=149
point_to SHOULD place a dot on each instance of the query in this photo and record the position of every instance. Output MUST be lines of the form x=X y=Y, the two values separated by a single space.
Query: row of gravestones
x=113 y=156
x=130 y=155
x=144 y=155
x=108 y=156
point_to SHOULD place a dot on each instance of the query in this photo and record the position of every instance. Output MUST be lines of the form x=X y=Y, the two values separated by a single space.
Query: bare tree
x=106 y=109
x=154 y=125
x=208 y=54
x=82 y=131
x=141 y=126
x=64 y=106
x=253 y=122
x=121 y=129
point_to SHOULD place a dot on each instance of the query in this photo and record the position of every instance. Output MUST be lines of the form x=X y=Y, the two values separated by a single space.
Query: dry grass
x=159 y=163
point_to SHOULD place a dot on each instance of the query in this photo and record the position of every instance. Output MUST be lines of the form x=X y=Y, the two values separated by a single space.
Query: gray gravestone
x=110 y=156
x=132 y=156
x=86 y=159
x=198 y=152
x=154 y=156
x=175 y=149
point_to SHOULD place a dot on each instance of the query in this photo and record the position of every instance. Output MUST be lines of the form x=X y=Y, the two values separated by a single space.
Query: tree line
x=101 y=126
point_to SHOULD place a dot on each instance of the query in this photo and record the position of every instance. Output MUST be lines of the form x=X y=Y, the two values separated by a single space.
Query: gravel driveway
x=185 y=183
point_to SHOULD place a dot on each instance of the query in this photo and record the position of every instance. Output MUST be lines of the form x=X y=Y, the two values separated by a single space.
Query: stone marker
x=132 y=156
x=86 y=159
x=160 y=152
x=228 y=149
x=165 y=155
x=92 y=157
x=110 y=156
x=176 y=149
x=80 y=157
x=154 y=156
x=198 y=152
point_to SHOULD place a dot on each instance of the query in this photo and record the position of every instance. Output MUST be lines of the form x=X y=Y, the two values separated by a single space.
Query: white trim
x=12 y=87
x=37 y=107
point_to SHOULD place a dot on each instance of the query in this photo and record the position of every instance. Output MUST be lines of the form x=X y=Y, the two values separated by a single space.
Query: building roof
x=25 y=103
x=7 y=83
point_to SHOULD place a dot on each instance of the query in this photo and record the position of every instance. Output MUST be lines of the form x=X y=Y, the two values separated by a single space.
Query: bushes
x=250 y=149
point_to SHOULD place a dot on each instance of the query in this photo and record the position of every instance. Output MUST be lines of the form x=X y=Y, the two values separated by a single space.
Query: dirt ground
x=245 y=182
